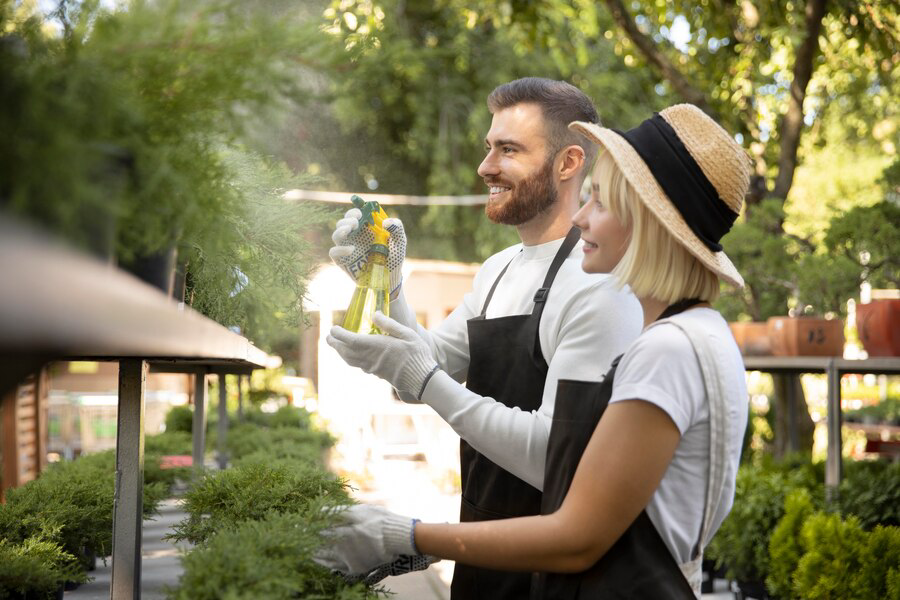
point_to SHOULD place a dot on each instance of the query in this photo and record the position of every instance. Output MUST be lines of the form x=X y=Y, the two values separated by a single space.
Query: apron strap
x=718 y=436
x=494 y=287
x=541 y=295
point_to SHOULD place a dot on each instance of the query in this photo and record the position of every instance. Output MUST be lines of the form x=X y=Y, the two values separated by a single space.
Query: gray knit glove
x=401 y=357
x=369 y=538
x=352 y=242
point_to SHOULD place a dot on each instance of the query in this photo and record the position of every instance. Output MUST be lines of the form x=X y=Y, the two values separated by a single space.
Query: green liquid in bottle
x=371 y=294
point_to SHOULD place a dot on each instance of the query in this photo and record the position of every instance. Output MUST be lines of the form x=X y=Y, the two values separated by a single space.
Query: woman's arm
x=625 y=460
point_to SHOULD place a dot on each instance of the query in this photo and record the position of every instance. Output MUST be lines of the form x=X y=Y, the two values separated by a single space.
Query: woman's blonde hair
x=654 y=265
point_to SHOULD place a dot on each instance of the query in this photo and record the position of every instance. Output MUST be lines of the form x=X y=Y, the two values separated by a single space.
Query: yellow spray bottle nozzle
x=373 y=217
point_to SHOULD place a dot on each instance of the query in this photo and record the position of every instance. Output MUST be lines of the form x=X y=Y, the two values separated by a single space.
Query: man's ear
x=571 y=162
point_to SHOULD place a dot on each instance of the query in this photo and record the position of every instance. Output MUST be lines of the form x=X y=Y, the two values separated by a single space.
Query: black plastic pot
x=156 y=269
x=60 y=591
x=755 y=590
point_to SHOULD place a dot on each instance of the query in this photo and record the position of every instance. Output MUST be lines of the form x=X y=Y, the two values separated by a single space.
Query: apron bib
x=639 y=565
x=505 y=363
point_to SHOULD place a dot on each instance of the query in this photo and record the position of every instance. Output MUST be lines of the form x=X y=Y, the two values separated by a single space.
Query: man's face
x=517 y=169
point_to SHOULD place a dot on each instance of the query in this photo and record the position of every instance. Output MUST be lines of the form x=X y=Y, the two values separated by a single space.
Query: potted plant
x=742 y=543
x=752 y=337
x=878 y=325
x=36 y=568
x=267 y=558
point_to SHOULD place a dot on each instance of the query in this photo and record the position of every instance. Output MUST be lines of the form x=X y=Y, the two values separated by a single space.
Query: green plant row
x=779 y=533
x=255 y=527
x=52 y=528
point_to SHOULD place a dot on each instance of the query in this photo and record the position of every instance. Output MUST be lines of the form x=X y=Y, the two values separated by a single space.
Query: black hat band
x=682 y=179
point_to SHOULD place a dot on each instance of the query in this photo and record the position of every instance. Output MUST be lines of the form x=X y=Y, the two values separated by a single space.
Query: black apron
x=639 y=565
x=505 y=363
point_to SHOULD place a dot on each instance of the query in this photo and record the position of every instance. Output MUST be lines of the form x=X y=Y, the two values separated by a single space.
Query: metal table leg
x=223 y=422
x=833 y=466
x=199 y=426
x=128 y=503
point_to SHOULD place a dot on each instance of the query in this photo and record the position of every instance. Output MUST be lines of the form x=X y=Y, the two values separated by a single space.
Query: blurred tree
x=771 y=72
x=122 y=130
x=402 y=102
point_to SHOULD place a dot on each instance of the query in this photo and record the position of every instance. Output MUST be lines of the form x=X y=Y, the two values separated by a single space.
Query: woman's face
x=605 y=238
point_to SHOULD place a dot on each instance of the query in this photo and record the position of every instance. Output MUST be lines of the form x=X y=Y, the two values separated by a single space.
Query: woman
x=640 y=470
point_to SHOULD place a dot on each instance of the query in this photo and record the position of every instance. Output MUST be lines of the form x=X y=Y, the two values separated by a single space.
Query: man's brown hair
x=560 y=103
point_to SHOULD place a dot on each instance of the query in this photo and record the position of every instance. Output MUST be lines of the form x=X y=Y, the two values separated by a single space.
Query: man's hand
x=401 y=357
x=352 y=242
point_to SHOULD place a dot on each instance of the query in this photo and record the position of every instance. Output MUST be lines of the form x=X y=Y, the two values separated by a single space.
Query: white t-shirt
x=587 y=321
x=662 y=368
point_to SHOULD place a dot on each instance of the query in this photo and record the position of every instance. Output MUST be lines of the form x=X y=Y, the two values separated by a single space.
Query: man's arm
x=598 y=325
x=450 y=342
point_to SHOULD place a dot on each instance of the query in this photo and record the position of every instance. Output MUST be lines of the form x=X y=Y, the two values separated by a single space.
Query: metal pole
x=240 y=406
x=199 y=426
x=223 y=421
x=833 y=422
x=128 y=503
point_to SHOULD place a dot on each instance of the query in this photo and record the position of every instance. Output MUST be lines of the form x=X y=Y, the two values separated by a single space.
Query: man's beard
x=530 y=197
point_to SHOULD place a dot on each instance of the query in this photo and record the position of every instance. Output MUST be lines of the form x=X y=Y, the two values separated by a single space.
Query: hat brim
x=649 y=191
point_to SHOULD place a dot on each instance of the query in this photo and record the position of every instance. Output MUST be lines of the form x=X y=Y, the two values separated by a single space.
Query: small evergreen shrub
x=291 y=416
x=37 y=567
x=268 y=558
x=288 y=442
x=179 y=419
x=169 y=443
x=77 y=502
x=742 y=542
x=842 y=560
x=871 y=492
x=75 y=499
x=785 y=545
x=251 y=492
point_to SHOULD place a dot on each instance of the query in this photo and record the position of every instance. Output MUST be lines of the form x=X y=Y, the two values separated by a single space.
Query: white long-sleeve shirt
x=586 y=323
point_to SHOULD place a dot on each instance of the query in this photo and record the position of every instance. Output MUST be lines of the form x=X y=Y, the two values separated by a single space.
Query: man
x=532 y=318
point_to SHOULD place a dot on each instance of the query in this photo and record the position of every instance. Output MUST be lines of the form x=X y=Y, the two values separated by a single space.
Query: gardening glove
x=401 y=357
x=371 y=538
x=352 y=242
x=404 y=564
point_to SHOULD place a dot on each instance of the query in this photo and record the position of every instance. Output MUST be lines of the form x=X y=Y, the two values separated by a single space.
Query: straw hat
x=724 y=163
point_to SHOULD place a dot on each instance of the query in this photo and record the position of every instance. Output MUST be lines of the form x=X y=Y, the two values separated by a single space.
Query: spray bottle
x=373 y=287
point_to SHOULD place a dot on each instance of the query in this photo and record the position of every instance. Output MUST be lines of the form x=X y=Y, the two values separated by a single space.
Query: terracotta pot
x=806 y=336
x=878 y=323
x=752 y=338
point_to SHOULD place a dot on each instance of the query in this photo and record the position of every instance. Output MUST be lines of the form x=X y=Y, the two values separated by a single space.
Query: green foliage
x=291 y=416
x=35 y=567
x=74 y=500
x=168 y=443
x=266 y=558
x=179 y=418
x=251 y=492
x=279 y=442
x=870 y=491
x=742 y=542
x=883 y=411
x=404 y=109
x=844 y=561
x=756 y=245
x=869 y=238
x=77 y=502
x=122 y=133
x=785 y=546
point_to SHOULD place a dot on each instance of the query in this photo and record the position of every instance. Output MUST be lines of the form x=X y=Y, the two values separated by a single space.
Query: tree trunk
x=794 y=427
x=792 y=122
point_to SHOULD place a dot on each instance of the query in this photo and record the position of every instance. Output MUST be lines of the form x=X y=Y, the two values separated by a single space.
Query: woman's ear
x=571 y=162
